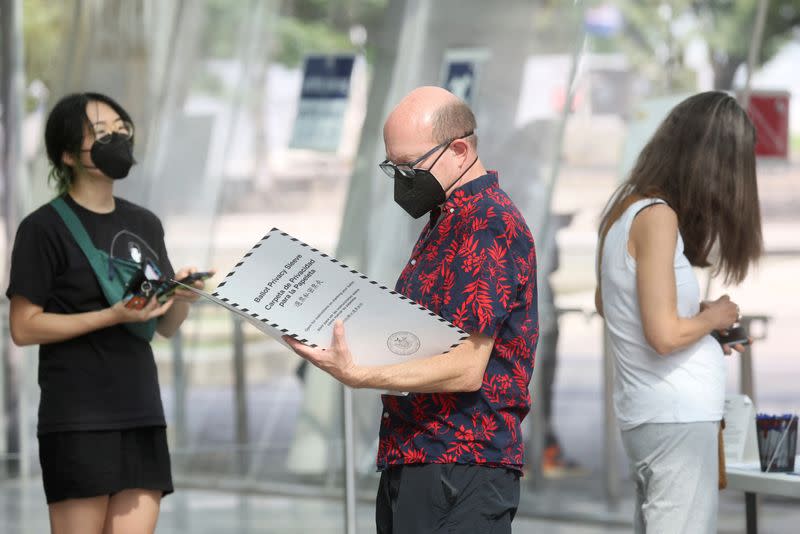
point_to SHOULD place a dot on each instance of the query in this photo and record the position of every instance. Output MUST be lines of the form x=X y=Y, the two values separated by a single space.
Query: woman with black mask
x=101 y=428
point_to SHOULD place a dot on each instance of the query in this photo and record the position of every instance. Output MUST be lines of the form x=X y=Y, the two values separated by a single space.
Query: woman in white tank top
x=693 y=186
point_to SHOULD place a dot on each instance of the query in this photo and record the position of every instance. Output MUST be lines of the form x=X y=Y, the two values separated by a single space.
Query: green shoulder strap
x=111 y=280
x=79 y=233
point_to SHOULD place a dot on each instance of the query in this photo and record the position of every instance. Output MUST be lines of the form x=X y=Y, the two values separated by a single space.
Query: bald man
x=451 y=452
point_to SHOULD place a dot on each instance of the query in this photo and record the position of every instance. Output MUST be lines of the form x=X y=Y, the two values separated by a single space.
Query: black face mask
x=418 y=195
x=421 y=193
x=115 y=158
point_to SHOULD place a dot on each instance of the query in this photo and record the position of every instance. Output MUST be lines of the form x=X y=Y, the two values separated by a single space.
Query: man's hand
x=336 y=361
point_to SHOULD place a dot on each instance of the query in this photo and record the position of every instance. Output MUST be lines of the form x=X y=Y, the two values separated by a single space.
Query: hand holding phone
x=199 y=276
x=736 y=335
x=137 y=302
x=722 y=312
x=168 y=288
x=143 y=286
x=134 y=310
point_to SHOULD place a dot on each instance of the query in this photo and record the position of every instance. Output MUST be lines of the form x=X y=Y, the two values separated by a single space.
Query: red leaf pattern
x=476 y=267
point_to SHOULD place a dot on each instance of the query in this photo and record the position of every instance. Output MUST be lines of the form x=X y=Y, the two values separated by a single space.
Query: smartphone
x=137 y=302
x=143 y=286
x=196 y=277
x=139 y=296
x=168 y=288
x=735 y=336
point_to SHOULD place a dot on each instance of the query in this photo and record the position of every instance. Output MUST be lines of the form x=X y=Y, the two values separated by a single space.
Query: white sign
x=285 y=287
x=740 y=430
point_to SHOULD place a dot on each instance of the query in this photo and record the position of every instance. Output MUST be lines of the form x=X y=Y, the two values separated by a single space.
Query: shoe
x=556 y=465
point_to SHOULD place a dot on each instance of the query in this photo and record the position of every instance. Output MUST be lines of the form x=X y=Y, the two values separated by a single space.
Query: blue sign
x=603 y=21
x=327 y=77
x=460 y=79
x=323 y=102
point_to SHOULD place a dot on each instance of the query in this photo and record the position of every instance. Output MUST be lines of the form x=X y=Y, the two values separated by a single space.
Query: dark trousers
x=444 y=498
x=546 y=363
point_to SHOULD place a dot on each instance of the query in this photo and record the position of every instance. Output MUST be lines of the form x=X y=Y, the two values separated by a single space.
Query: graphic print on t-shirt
x=129 y=246
x=106 y=379
x=136 y=253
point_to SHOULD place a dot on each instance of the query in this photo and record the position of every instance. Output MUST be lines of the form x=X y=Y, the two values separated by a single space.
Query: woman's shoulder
x=653 y=211
x=641 y=211
x=132 y=209
x=653 y=220
x=646 y=211
x=42 y=225
x=42 y=217
x=641 y=204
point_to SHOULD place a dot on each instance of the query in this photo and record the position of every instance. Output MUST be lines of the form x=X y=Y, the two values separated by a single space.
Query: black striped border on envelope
x=265 y=320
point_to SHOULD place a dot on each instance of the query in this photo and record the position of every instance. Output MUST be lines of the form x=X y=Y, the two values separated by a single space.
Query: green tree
x=730 y=24
x=44 y=33
x=649 y=34
x=725 y=25
x=300 y=26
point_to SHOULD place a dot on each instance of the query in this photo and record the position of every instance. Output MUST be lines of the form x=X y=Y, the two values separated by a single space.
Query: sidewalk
x=207 y=512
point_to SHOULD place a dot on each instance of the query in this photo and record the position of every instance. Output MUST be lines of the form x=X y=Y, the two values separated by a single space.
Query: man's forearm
x=459 y=370
x=437 y=374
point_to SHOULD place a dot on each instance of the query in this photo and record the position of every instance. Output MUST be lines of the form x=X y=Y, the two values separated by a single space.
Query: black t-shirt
x=106 y=379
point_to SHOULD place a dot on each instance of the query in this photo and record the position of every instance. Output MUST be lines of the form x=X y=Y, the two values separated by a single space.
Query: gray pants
x=676 y=473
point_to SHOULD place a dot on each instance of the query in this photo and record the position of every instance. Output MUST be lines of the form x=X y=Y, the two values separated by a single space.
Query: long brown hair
x=701 y=161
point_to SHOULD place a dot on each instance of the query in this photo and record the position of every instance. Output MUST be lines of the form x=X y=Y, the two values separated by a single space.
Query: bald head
x=429 y=115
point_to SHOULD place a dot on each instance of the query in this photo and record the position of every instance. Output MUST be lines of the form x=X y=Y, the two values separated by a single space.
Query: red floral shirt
x=475 y=265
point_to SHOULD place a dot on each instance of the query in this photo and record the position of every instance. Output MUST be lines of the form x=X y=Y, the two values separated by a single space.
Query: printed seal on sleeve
x=403 y=343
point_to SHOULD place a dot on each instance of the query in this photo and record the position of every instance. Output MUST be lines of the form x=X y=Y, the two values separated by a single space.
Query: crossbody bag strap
x=104 y=272
x=80 y=235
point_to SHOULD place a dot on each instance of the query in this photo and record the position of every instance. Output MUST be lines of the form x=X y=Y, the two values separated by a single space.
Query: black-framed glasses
x=103 y=131
x=407 y=169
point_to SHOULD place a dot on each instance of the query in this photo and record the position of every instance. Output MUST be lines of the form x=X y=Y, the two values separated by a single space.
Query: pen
x=784 y=433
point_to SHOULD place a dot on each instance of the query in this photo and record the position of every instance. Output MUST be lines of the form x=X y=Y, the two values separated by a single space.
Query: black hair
x=64 y=133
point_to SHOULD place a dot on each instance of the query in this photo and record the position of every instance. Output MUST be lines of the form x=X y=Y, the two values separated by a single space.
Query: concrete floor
x=23 y=511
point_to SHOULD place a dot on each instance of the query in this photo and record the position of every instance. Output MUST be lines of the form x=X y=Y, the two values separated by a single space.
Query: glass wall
x=565 y=95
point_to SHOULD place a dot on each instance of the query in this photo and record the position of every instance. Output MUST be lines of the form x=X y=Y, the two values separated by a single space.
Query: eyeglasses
x=103 y=132
x=407 y=169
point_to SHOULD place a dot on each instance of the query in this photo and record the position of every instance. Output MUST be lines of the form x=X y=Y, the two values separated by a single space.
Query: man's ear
x=460 y=147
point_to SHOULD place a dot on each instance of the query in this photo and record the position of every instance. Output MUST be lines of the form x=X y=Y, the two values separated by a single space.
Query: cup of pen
x=777 y=442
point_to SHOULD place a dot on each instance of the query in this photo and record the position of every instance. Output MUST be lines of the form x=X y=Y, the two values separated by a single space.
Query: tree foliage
x=43 y=28
x=728 y=25
x=300 y=26
x=725 y=25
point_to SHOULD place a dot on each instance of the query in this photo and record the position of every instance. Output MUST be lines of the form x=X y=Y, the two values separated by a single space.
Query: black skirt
x=77 y=465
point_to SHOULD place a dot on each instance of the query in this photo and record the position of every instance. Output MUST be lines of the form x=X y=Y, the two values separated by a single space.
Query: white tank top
x=685 y=386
